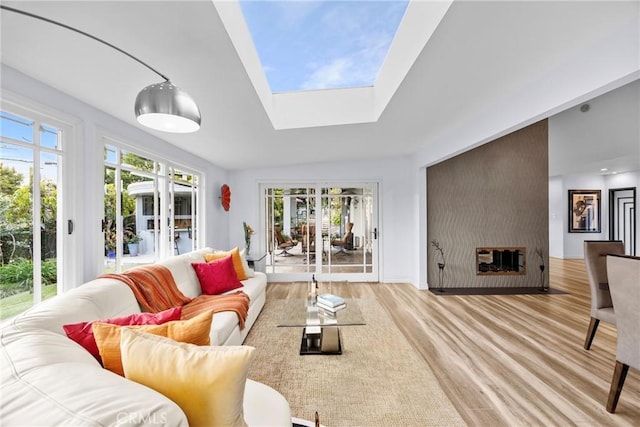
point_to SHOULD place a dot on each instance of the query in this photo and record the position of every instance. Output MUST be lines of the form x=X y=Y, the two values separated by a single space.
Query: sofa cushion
x=254 y=286
x=235 y=256
x=225 y=324
x=209 y=386
x=195 y=331
x=217 y=277
x=82 y=332
x=183 y=274
x=97 y=299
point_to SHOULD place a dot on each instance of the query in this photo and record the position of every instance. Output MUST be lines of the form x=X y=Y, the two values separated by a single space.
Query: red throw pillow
x=217 y=277
x=82 y=332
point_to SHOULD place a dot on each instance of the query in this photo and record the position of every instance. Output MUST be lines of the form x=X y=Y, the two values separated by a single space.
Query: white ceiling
x=485 y=63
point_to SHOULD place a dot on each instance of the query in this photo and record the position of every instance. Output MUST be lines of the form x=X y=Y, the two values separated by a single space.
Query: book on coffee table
x=331 y=309
x=330 y=300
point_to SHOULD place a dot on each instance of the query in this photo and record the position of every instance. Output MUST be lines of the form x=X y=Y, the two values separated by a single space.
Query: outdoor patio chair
x=284 y=244
x=346 y=242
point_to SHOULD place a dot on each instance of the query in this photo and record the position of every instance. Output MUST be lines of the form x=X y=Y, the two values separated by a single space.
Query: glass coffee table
x=321 y=332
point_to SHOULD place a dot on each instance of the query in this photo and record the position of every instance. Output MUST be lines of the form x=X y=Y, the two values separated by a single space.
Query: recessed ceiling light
x=614 y=172
x=604 y=170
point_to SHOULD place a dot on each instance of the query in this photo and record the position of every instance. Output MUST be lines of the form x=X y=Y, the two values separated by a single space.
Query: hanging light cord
x=51 y=21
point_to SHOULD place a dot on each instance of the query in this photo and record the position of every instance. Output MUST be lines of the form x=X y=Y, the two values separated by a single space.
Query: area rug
x=377 y=381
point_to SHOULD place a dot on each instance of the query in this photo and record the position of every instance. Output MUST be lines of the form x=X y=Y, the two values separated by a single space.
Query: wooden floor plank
x=507 y=360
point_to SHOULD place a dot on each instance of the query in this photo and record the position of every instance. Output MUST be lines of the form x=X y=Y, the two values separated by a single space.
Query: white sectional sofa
x=47 y=379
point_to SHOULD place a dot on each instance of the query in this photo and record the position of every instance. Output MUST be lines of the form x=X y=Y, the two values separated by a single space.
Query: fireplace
x=501 y=260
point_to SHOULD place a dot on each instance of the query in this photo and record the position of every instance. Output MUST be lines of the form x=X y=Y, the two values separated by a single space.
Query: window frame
x=69 y=233
x=165 y=185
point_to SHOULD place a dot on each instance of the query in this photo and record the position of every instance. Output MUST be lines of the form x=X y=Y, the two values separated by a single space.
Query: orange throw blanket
x=237 y=302
x=153 y=286
x=156 y=290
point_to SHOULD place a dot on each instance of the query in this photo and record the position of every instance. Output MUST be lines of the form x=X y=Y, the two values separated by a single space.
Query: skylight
x=348 y=104
x=311 y=45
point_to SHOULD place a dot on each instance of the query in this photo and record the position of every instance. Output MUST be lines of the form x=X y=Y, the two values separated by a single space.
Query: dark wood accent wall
x=494 y=195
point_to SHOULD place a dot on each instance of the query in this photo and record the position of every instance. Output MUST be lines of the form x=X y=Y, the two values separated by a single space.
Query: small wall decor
x=225 y=197
x=584 y=211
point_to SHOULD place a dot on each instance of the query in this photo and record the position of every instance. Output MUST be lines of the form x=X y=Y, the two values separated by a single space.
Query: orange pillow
x=235 y=256
x=193 y=331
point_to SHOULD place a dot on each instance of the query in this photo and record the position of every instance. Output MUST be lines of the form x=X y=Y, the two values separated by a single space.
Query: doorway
x=328 y=230
x=622 y=217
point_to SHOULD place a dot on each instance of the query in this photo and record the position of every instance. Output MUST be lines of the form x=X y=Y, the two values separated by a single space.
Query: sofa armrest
x=263 y=406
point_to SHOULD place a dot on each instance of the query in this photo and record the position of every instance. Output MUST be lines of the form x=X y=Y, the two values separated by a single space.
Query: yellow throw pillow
x=207 y=382
x=235 y=257
x=194 y=331
x=249 y=272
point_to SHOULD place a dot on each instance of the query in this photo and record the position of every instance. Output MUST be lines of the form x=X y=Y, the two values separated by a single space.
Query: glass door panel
x=349 y=239
x=290 y=230
x=130 y=201
x=322 y=231
x=184 y=189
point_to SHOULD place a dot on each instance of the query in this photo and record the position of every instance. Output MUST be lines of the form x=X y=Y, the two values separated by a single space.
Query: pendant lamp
x=161 y=106
x=166 y=107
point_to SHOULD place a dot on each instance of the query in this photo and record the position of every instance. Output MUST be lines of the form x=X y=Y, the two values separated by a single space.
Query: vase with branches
x=248 y=232
x=540 y=254
x=442 y=262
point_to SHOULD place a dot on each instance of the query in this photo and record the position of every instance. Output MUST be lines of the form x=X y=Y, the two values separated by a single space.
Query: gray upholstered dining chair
x=624 y=284
x=595 y=258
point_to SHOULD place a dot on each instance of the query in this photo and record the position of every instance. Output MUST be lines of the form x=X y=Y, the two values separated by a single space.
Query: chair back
x=308 y=238
x=348 y=237
x=595 y=258
x=277 y=233
x=624 y=284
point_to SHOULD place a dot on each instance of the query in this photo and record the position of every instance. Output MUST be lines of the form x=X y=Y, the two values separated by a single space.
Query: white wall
x=557 y=213
x=89 y=172
x=397 y=194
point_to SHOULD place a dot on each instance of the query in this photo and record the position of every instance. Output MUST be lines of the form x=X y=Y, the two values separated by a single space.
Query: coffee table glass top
x=298 y=312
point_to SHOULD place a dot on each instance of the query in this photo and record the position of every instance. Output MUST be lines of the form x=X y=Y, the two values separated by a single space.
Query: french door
x=328 y=230
x=36 y=230
x=622 y=217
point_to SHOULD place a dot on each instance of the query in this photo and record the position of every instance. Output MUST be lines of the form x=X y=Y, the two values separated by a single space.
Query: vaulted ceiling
x=487 y=67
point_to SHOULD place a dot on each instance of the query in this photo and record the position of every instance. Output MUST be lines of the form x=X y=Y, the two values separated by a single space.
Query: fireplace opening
x=500 y=260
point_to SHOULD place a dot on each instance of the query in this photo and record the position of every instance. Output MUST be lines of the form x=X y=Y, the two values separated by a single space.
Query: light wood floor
x=509 y=360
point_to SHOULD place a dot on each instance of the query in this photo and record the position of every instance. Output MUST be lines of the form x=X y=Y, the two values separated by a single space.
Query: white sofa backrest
x=97 y=299
x=183 y=273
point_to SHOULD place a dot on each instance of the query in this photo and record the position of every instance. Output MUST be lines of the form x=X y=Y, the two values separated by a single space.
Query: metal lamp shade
x=165 y=107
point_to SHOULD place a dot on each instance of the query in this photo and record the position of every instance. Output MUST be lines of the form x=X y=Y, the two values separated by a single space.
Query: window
x=150 y=208
x=31 y=158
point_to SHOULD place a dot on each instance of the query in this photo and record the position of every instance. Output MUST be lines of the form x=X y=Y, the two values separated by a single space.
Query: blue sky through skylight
x=306 y=45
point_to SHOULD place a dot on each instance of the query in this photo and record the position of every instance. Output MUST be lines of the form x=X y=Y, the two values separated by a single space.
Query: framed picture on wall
x=584 y=211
